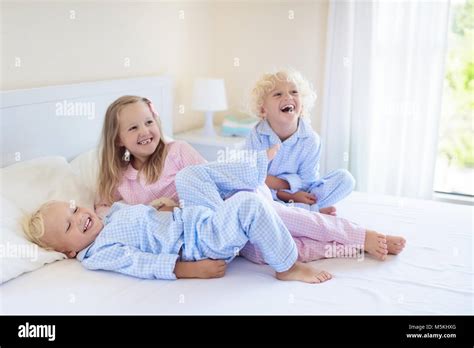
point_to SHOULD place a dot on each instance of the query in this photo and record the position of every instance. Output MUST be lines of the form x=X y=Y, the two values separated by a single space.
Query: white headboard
x=67 y=120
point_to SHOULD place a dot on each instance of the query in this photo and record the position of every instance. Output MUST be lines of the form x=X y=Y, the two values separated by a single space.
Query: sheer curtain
x=383 y=88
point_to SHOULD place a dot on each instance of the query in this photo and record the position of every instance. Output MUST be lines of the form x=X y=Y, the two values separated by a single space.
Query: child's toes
x=325 y=275
x=321 y=277
x=317 y=280
x=395 y=244
x=395 y=249
x=398 y=250
x=381 y=254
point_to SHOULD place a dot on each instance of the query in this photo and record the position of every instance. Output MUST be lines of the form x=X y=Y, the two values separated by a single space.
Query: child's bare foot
x=304 y=273
x=328 y=211
x=395 y=244
x=376 y=244
x=272 y=151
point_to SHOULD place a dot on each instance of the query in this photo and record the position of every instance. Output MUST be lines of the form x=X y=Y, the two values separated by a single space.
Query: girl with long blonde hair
x=137 y=165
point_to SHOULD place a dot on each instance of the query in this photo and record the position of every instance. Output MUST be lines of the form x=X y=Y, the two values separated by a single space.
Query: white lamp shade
x=209 y=95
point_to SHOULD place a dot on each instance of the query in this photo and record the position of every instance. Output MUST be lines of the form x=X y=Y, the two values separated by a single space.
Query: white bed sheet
x=434 y=275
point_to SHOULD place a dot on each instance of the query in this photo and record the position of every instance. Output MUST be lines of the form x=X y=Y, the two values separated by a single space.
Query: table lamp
x=209 y=96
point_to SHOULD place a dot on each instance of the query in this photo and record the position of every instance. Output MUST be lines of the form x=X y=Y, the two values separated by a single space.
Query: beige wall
x=155 y=38
x=265 y=35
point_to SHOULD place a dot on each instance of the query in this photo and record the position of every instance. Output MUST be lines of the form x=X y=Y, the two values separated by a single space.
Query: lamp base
x=208 y=129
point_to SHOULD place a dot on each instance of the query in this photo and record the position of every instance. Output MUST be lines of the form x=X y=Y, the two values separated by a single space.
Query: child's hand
x=304 y=197
x=272 y=151
x=163 y=204
x=210 y=268
x=165 y=208
x=276 y=183
x=203 y=269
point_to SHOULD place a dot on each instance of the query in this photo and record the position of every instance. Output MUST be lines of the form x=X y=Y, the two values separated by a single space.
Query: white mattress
x=434 y=275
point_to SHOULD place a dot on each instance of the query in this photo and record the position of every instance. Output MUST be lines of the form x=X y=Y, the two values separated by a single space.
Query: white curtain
x=383 y=88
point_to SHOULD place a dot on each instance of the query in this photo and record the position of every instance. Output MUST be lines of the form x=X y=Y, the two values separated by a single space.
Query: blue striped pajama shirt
x=297 y=162
x=139 y=241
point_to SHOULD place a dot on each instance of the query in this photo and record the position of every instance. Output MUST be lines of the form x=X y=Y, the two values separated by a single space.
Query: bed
x=434 y=275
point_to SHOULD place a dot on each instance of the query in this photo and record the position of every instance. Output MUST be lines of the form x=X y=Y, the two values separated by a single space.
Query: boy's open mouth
x=87 y=225
x=288 y=108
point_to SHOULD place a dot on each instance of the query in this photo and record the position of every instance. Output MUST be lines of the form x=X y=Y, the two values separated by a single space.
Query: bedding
x=25 y=186
x=86 y=168
x=18 y=255
x=432 y=276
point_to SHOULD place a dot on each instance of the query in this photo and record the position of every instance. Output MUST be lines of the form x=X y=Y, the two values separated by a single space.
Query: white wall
x=96 y=44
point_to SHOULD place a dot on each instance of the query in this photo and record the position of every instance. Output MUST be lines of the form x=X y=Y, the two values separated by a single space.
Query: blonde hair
x=33 y=226
x=267 y=83
x=111 y=165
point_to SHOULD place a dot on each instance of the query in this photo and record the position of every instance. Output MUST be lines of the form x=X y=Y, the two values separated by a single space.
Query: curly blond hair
x=33 y=226
x=267 y=83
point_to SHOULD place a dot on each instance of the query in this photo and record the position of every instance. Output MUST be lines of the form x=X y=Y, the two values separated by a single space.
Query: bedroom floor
x=434 y=275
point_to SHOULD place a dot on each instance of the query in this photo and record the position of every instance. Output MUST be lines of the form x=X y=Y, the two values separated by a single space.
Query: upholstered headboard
x=67 y=120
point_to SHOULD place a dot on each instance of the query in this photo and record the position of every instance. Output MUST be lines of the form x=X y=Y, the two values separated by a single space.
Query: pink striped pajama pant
x=313 y=233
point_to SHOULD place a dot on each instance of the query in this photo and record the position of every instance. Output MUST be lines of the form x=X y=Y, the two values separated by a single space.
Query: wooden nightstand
x=209 y=147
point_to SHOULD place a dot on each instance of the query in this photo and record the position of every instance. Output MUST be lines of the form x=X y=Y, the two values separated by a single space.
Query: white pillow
x=31 y=183
x=17 y=254
x=25 y=186
x=86 y=167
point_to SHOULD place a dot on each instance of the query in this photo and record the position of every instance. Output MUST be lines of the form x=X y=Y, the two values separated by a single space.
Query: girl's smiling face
x=282 y=105
x=138 y=130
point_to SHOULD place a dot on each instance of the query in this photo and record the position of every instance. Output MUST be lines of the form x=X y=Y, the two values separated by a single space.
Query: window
x=455 y=162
